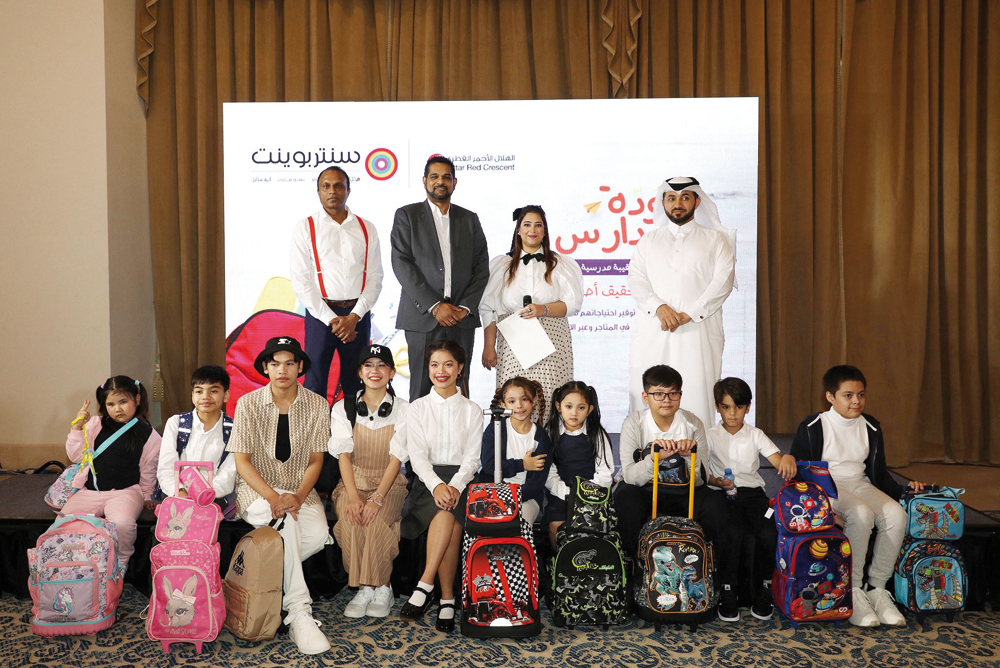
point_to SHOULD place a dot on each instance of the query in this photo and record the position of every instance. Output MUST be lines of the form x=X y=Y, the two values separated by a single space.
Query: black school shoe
x=763 y=605
x=729 y=607
x=446 y=625
x=411 y=613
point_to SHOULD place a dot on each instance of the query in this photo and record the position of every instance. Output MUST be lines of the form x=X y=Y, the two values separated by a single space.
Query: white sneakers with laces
x=304 y=630
x=885 y=607
x=864 y=614
x=381 y=602
x=359 y=604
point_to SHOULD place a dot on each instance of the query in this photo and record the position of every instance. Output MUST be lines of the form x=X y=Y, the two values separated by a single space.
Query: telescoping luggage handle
x=496 y=415
x=656 y=479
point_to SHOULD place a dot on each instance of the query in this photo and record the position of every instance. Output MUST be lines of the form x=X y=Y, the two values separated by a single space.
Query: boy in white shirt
x=851 y=442
x=675 y=431
x=733 y=444
x=200 y=435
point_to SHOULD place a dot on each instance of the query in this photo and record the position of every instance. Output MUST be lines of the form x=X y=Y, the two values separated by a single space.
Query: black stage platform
x=24 y=516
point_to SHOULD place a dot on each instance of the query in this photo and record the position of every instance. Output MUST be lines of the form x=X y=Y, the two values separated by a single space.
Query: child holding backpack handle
x=119 y=473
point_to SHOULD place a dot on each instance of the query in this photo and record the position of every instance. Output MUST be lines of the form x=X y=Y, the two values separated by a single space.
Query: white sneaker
x=885 y=607
x=381 y=602
x=304 y=630
x=864 y=614
x=356 y=608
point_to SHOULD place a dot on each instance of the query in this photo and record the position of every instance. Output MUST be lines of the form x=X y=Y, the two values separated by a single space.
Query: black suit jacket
x=419 y=266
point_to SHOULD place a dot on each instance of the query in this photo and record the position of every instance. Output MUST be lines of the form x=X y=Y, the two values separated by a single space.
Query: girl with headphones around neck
x=368 y=439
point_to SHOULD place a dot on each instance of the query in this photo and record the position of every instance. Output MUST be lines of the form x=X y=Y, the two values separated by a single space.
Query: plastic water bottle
x=730 y=493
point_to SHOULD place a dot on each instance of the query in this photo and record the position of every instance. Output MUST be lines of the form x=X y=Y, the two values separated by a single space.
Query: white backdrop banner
x=593 y=165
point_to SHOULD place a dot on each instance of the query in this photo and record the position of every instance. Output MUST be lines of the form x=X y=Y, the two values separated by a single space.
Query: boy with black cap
x=279 y=437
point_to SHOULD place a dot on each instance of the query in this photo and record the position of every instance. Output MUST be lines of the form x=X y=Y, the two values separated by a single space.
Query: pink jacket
x=147 y=462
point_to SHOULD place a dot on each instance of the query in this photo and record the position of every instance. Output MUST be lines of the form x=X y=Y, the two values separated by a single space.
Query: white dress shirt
x=740 y=452
x=639 y=429
x=499 y=298
x=441 y=432
x=342 y=434
x=442 y=223
x=341 y=250
x=845 y=445
x=604 y=467
x=203 y=446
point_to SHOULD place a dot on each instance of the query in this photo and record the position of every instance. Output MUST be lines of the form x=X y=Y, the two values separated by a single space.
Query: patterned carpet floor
x=973 y=639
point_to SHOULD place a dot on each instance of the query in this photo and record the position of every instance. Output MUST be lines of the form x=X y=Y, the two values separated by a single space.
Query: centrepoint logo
x=381 y=164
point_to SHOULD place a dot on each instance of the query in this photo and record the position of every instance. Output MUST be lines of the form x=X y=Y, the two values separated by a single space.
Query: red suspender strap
x=364 y=274
x=319 y=271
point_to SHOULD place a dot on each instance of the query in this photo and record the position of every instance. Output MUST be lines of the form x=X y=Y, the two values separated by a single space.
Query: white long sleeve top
x=500 y=298
x=341 y=250
x=443 y=432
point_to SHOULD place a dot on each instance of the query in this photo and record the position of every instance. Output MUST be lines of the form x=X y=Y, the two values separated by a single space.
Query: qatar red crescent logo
x=381 y=164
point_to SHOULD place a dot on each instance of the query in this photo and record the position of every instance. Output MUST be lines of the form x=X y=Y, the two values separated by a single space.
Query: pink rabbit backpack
x=195 y=517
x=187 y=603
x=74 y=577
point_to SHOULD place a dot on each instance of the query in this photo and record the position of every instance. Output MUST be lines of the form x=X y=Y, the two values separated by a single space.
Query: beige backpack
x=253 y=585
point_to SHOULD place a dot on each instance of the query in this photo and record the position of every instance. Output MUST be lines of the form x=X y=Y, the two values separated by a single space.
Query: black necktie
x=528 y=257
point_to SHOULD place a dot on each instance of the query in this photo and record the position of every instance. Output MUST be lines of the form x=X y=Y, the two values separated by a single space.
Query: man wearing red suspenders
x=336 y=269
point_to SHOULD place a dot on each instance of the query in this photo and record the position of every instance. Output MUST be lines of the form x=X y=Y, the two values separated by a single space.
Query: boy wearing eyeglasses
x=665 y=425
x=735 y=445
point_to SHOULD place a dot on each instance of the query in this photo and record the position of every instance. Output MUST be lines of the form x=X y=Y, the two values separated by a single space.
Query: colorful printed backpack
x=187 y=604
x=678 y=568
x=930 y=576
x=802 y=507
x=812 y=581
x=74 y=577
x=494 y=509
x=500 y=586
x=589 y=509
x=934 y=514
x=589 y=584
x=184 y=519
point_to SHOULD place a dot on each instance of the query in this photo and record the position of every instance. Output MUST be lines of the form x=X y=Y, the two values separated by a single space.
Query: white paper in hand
x=526 y=338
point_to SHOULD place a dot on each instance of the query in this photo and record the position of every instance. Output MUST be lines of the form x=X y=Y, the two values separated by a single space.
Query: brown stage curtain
x=878 y=188
x=922 y=222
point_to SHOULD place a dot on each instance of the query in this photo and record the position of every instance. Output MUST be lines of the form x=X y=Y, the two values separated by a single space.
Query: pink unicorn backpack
x=187 y=603
x=74 y=578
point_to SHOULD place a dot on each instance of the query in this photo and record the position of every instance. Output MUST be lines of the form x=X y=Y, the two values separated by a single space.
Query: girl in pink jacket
x=121 y=478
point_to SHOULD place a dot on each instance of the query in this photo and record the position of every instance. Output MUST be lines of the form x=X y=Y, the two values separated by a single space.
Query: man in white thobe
x=680 y=275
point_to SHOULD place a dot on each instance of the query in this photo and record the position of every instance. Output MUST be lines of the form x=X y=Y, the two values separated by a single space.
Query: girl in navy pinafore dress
x=581 y=447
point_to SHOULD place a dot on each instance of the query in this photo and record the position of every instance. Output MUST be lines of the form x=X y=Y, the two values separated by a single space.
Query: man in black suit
x=440 y=258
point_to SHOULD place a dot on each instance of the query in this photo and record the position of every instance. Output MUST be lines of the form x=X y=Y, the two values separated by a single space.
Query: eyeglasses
x=660 y=396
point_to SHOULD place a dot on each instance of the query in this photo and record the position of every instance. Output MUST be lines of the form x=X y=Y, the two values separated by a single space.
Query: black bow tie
x=528 y=257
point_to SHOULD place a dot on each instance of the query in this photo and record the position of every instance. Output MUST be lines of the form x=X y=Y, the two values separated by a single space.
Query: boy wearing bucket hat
x=279 y=437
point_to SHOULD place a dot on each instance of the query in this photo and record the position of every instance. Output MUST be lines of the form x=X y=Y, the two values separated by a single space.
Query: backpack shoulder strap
x=351 y=408
x=185 y=420
x=227 y=431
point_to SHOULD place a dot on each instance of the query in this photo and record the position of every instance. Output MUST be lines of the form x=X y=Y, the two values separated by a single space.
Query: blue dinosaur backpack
x=935 y=513
x=930 y=576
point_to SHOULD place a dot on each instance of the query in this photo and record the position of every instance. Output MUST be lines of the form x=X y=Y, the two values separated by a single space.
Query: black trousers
x=748 y=514
x=634 y=506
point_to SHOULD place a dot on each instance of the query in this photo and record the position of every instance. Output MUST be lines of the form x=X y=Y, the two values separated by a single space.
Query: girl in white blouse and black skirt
x=554 y=285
